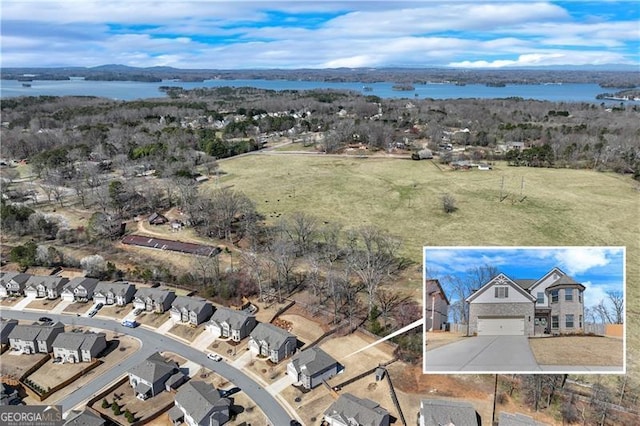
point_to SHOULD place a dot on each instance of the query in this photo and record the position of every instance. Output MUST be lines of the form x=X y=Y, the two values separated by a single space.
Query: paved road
x=483 y=354
x=153 y=342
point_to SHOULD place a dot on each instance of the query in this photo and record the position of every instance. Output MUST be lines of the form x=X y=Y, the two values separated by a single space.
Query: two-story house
x=113 y=293
x=231 y=323
x=79 y=289
x=6 y=326
x=349 y=410
x=272 y=342
x=505 y=306
x=436 y=305
x=78 y=347
x=13 y=283
x=48 y=287
x=154 y=375
x=311 y=367
x=190 y=310
x=34 y=338
x=200 y=404
x=154 y=299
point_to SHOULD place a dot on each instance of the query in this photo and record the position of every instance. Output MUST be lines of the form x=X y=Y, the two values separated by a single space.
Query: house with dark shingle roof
x=437 y=412
x=517 y=419
x=45 y=286
x=190 y=310
x=553 y=304
x=86 y=417
x=154 y=299
x=114 y=293
x=6 y=325
x=13 y=283
x=311 y=367
x=79 y=289
x=78 y=347
x=349 y=410
x=231 y=323
x=200 y=404
x=272 y=342
x=34 y=338
x=153 y=375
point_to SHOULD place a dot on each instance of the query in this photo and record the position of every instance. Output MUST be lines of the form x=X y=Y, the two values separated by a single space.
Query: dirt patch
x=578 y=350
x=305 y=329
x=153 y=319
x=126 y=399
x=265 y=369
x=228 y=348
x=43 y=304
x=9 y=301
x=50 y=374
x=186 y=332
x=436 y=340
x=309 y=405
x=77 y=307
x=14 y=364
x=114 y=311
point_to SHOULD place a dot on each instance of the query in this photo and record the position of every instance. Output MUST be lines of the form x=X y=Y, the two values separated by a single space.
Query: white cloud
x=579 y=260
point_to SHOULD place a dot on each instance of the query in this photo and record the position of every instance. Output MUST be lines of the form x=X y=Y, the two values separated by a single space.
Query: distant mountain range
x=614 y=76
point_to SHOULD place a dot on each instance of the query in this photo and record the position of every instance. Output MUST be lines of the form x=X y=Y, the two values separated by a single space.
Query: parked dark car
x=45 y=319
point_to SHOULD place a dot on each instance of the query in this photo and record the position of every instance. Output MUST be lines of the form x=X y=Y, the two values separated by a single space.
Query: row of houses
x=67 y=347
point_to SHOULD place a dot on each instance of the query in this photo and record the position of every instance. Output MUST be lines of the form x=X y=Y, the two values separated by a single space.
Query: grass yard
x=114 y=311
x=186 y=332
x=78 y=308
x=153 y=319
x=561 y=207
x=435 y=340
x=14 y=364
x=43 y=304
x=304 y=329
x=578 y=350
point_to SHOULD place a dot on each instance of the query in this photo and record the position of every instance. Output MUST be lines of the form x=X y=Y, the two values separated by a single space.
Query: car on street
x=130 y=324
x=214 y=357
x=45 y=319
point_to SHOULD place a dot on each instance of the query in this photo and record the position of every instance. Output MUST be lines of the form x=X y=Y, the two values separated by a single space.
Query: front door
x=541 y=325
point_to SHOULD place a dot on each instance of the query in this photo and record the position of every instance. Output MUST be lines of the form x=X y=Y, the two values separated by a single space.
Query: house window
x=579 y=296
x=555 y=323
x=580 y=321
x=502 y=292
x=568 y=294
x=569 y=321
x=554 y=296
x=540 y=299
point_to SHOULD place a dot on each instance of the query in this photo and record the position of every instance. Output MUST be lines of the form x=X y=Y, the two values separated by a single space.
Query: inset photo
x=524 y=310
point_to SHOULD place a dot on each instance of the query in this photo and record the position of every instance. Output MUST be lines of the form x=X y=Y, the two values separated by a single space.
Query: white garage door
x=501 y=326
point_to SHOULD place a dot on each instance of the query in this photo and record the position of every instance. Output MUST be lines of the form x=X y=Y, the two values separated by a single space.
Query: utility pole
x=501 y=189
x=495 y=397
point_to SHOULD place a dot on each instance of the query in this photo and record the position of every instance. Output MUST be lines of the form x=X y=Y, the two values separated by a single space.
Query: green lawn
x=562 y=207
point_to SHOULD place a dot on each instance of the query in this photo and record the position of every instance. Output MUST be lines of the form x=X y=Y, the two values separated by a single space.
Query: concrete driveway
x=483 y=354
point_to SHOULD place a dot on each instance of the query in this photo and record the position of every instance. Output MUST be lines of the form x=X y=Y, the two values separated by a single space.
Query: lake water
x=128 y=90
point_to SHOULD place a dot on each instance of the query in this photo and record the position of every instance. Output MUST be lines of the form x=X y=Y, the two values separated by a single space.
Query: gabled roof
x=84 y=418
x=86 y=282
x=118 y=288
x=77 y=341
x=517 y=419
x=437 y=283
x=233 y=317
x=364 y=411
x=35 y=331
x=155 y=294
x=435 y=412
x=554 y=270
x=274 y=336
x=154 y=368
x=525 y=282
x=312 y=361
x=46 y=281
x=199 y=398
x=191 y=304
x=500 y=279
x=7 y=324
x=17 y=277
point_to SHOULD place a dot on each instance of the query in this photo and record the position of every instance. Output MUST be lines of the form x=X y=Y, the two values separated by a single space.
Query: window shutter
x=496 y=289
x=506 y=292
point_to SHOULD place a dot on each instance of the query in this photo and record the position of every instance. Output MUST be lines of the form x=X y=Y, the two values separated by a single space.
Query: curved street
x=152 y=342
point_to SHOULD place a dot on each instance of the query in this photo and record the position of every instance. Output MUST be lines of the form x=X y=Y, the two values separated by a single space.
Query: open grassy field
x=561 y=207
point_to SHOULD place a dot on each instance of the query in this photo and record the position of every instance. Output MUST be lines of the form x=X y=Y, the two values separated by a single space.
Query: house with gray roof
x=272 y=342
x=349 y=410
x=79 y=289
x=190 y=310
x=154 y=299
x=437 y=412
x=8 y=395
x=13 y=283
x=231 y=323
x=6 y=325
x=49 y=287
x=200 y=404
x=34 y=338
x=114 y=293
x=311 y=367
x=78 y=347
x=86 y=417
x=553 y=304
x=517 y=419
x=153 y=375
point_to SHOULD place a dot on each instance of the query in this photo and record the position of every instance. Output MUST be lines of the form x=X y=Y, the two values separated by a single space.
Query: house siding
x=525 y=310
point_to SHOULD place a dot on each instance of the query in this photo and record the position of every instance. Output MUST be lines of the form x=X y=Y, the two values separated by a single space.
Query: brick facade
x=525 y=310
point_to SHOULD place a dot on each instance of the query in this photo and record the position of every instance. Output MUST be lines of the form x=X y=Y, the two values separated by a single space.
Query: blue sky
x=319 y=34
x=599 y=269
